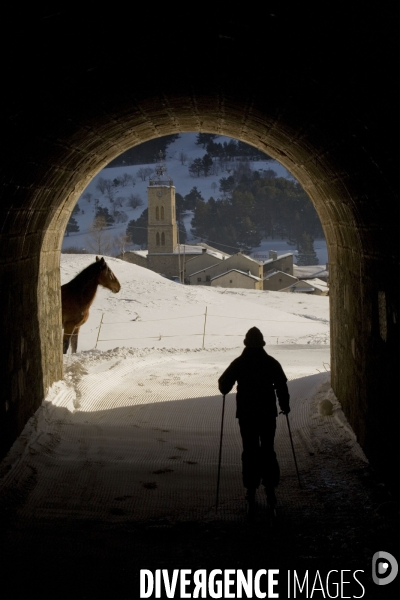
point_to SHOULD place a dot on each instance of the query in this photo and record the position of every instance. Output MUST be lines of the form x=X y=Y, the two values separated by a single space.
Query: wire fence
x=201 y=326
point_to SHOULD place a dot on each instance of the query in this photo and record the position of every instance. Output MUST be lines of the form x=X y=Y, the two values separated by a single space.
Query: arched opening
x=330 y=136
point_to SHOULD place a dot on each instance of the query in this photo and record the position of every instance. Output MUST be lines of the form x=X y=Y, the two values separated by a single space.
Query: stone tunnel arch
x=329 y=138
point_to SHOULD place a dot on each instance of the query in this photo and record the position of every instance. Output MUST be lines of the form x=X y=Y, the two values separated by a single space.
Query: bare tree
x=144 y=172
x=183 y=157
x=118 y=203
x=121 y=216
x=134 y=201
x=87 y=196
x=101 y=185
x=110 y=193
x=99 y=240
x=122 y=241
x=126 y=179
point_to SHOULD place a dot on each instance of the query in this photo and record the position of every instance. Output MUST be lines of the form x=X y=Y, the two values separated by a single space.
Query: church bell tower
x=162 y=228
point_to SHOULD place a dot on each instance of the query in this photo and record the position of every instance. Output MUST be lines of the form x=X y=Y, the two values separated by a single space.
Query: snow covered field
x=151 y=311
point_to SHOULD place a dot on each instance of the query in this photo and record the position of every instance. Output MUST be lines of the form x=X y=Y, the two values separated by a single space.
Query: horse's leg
x=74 y=339
x=68 y=337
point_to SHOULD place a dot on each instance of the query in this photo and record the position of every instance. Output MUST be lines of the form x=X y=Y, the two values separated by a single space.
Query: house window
x=162 y=212
x=163 y=239
x=208 y=278
x=199 y=280
x=157 y=239
x=157 y=213
x=230 y=281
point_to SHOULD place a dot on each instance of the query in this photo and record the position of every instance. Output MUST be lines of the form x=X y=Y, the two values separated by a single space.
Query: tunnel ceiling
x=91 y=87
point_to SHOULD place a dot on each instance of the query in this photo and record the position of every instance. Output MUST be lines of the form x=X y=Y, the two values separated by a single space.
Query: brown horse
x=78 y=295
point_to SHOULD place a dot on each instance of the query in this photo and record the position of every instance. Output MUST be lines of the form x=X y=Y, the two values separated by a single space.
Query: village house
x=278 y=280
x=283 y=263
x=316 y=286
x=237 y=279
x=239 y=261
x=199 y=264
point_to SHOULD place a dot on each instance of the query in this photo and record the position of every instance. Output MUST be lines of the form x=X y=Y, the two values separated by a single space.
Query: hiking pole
x=220 y=452
x=291 y=442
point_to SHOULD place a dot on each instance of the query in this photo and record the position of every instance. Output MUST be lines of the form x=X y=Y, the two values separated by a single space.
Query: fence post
x=205 y=321
x=98 y=335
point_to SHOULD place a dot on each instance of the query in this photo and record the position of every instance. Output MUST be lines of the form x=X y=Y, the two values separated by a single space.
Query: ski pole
x=220 y=452
x=291 y=442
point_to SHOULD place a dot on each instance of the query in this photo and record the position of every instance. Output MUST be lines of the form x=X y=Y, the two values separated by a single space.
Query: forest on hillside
x=248 y=206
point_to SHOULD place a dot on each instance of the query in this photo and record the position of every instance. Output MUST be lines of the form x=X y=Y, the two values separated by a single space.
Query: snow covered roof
x=246 y=256
x=319 y=284
x=211 y=252
x=310 y=271
x=214 y=250
x=300 y=286
x=188 y=249
x=138 y=252
x=274 y=273
x=206 y=269
x=237 y=271
x=270 y=260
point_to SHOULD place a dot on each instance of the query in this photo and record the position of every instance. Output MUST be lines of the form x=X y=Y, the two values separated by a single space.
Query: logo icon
x=384 y=568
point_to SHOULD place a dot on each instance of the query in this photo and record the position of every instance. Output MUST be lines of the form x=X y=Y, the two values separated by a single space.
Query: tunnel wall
x=288 y=88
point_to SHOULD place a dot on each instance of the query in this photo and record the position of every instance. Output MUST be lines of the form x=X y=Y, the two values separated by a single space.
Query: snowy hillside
x=153 y=312
x=183 y=183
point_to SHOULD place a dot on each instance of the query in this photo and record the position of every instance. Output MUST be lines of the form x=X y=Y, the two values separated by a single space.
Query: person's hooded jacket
x=258 y=376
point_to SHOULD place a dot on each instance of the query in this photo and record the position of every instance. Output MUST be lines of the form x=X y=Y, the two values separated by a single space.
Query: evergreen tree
x=136 y=230
x=204 y=138
x=196 y=167
x=102 y=211
x=192 y=198
x=227 y=185
x=145 y=153
x=307 y=255
x=72 y=226
x=207 y=163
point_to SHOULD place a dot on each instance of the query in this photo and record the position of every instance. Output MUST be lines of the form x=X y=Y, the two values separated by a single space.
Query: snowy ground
x=124 y=450
x=153 y=312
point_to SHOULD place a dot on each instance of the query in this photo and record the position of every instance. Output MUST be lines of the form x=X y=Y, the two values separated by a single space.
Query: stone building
x=317 y=287
x=237 y=279
x=238 y=261
x=278 y=280
x=165 y=255
x=283 y=263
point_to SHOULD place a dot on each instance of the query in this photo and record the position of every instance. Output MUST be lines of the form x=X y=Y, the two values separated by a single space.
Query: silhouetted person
x=258 y=376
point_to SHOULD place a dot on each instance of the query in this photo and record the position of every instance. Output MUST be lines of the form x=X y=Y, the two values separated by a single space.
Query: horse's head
x=106 y=277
